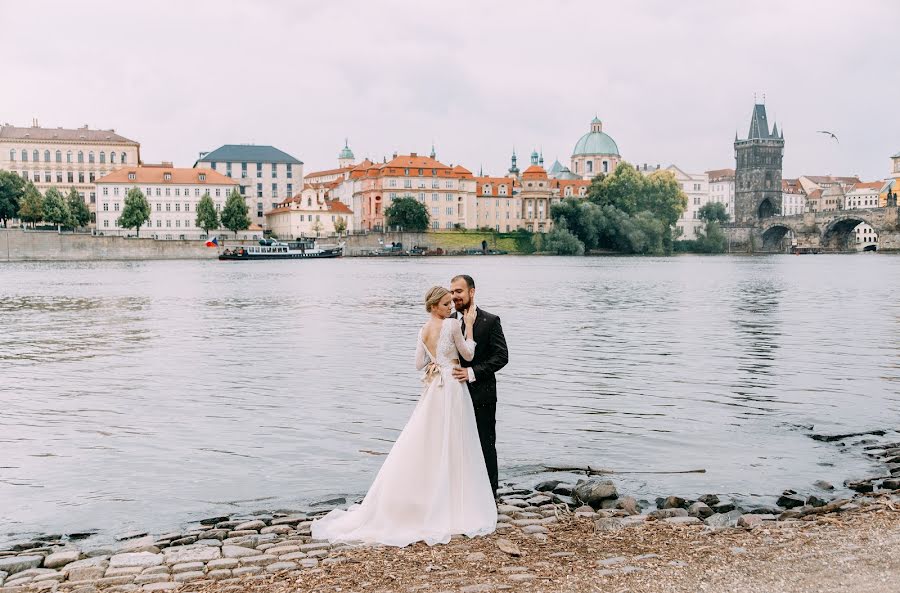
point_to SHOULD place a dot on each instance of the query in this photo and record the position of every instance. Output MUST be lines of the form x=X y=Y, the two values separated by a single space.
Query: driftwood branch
x=591 y=471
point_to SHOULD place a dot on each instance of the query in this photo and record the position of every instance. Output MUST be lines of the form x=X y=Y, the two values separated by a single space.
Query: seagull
x=830 y=134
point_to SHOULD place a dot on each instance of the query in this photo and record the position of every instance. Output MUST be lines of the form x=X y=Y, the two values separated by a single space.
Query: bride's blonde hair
x=434 y=296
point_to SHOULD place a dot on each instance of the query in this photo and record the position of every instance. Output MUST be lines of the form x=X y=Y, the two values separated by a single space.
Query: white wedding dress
x=433 y=483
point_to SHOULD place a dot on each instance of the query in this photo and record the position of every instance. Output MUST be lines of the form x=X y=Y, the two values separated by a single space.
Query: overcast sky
x=672 y=81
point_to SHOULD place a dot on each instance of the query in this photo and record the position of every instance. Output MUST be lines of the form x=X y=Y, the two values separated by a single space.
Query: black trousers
x=486 y=419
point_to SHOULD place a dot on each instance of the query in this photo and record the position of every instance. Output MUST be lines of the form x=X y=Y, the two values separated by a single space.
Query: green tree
x=55 y=209
x=12 y=191
x=407 y=213
x=31 y=208
x=713 y=212
x=79 y=214
x=562 y=242
x=317 y=227
x=662 y=195
x=234 y=214
x=340 y=225
x=207 y=217
x=136 y=212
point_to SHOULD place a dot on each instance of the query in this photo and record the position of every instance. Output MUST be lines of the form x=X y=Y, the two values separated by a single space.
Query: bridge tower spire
x=758 y=169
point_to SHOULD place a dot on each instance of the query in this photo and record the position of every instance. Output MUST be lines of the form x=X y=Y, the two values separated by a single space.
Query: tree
x=12 y=190
x=234 y=214
x=136 y=211
x=55 y=209
x=407 y=213
x=562 y=242
x=79 y=214
x=340 y=225
x=713 y=212
x=207 y=217
x=31 y=208
x=317 y=227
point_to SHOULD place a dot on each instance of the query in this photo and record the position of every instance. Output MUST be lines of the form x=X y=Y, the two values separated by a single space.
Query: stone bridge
x=825 y=231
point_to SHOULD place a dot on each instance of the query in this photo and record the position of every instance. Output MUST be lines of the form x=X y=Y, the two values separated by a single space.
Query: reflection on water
x=143 y=394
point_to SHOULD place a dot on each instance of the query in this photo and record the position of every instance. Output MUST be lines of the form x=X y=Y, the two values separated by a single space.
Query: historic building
x=173 y=194
x=721 y=188
x=696 y=187
x=447 y=191
x=64 y=157
x=757 y=192
x=311 y=213
x=595 y=152
x=895 y=166
x=863 y=195
x=793 y=198
x=498 y=205
x=265 y=174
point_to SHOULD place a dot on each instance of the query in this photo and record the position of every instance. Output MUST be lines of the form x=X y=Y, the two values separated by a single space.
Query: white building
x=173 y=194
x=696 y=187
x=64 y=157
x=793 y=198
x=721 y=188
x=863 y=195
x=266 y=175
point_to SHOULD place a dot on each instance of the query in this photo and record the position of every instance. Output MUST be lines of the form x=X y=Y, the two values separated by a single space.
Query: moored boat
x=270 y=249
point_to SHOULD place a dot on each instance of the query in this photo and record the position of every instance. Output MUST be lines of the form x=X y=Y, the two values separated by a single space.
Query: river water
x=142 y=395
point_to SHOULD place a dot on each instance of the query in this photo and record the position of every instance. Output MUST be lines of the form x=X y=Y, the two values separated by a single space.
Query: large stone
x=14 y=564
x=668 y=513
x=700 y=510
x=752 y=520
x=160 y=587
x=674 y=502
x=142 y=559
x=186 y=577
x=629 y=505
x=59 y=559
x=85 y=573
x=709 y=500
x=191 y=554
x=594 y=492
x=722 y=507
x=610 y=524
x=237 y=552
x=122 y=571
x=823 y=485
x=790 y=501
x=728 y=519
x=146 y=579
x=250 y=525
x=187 y=567
x=281 y=566
x=259 y=560
x=547 y=485
x=682 y=520
x=223 y=563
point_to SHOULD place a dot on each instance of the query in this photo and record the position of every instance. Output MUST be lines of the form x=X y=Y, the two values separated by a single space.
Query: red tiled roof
x=339 y=207
x=156 y=174
x=328 y=172
x=717 y=174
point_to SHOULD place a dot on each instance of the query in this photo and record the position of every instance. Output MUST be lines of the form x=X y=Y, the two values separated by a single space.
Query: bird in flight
x=830 y=134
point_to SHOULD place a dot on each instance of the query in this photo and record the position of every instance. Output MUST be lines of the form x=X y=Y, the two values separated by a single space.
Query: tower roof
x=346 y=153
x=759 y=124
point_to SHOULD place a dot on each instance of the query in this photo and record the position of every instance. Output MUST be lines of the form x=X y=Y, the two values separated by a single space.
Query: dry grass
x=849 y=552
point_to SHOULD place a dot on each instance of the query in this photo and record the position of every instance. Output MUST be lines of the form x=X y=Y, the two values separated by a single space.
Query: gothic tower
x=757 y=183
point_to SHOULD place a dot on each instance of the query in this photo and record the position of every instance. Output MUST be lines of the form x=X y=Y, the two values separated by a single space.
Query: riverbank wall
x=26 y=245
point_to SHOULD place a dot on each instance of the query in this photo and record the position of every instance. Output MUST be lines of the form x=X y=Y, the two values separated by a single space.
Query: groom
x=491 y=355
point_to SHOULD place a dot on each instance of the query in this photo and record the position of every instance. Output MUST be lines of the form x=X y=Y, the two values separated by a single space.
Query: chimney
x=412 y=154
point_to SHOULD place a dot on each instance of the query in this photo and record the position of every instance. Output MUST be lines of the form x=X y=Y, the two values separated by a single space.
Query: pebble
x=682 y=520
x=562 y=554
x=612 y=560
x=823 y=485
x=668 y=513
x=523 y=577
x=476 y=557
x=250 y=525
x=531 y=529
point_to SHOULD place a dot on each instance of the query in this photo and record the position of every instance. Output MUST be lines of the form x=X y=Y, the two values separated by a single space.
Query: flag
x=214 y=242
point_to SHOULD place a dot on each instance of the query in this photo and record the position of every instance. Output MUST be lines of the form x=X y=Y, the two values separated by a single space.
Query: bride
x=434 y=483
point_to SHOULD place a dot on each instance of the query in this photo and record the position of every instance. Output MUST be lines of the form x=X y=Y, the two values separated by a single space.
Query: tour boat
x=270 y=249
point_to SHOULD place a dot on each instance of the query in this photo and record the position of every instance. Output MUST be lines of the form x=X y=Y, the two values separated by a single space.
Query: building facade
x=447 y=191
x=721 y=188
x=312 y=213
x=265 y=174
x=64 y=157
x=757 y=192
x=595 y=153
x=696 y=187
x=498 y=205
x=793 y=198
x=173 y=194
x=863 y=195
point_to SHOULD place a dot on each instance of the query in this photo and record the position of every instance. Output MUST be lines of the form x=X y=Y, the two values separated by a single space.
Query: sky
x=672 y=81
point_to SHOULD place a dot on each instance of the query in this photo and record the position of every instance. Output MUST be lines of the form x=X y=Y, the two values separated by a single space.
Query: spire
x=759 y=125
x=481 y=170
x=433 y=155
x=775 y=129
x=541 y=158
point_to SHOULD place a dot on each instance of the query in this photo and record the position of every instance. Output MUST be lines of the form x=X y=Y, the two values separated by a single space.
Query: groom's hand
x=460 y=374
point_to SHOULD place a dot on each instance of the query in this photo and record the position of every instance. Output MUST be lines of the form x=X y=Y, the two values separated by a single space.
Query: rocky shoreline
x=238 y=551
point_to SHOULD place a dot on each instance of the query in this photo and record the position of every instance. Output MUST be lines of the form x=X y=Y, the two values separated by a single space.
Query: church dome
x=346 y=153
x=596 y=142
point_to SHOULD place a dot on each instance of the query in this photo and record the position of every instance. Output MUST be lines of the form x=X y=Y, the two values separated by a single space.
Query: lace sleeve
x=466 y=348
x=422 y=357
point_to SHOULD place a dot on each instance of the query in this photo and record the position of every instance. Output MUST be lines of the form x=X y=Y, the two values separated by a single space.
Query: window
x=124 y=159
x=590 y=166
x=290 y=189
x=168 y=223
x=158 y=223
x=102 y=158
x=93 y=197
x=167 y=177
x=258 y=170
x=105 y=204
x=112 y=158
x=449 y=198
x=12 y=154
x=274 y=190
x=197 y=192
x=48 y=178
x=115 y=191
x=243 y=170
x=274 y=171
x=218 y=192
x=435 y=225
x=178 y=192
x=177 y=207
x=116 y=206
x=392 y=183
x=158 y=192
x=24 y=156
x=502 y=190
x=259 y=193
x=46 y=156
x=228 y=169
x=91 y=176
x=71 y=177
x=407 y=183
x=435 y=184
x=131 y=176
x=91 y=157
x=168 y=207
x=435 y=210
x=290 y=172
x=106 y=223
x=178 y=223
x=36 y=156
x=449 y=209
x=606 y=166
x=81 y=177
x=158 y=206
x=80 y=156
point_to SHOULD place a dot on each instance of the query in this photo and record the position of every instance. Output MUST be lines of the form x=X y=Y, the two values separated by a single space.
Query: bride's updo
x=434 y=296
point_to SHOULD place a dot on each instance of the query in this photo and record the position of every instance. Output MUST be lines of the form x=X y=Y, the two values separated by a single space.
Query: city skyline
x=671 y=85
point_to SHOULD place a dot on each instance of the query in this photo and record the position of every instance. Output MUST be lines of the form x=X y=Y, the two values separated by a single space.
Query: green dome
x=595 y=143
x=346 y=153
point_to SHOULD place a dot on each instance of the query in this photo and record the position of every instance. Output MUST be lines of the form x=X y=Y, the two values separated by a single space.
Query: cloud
x=671 y=81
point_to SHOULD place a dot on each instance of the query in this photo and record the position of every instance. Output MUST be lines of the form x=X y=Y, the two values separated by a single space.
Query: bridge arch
x=773 y=236
x=838 y=234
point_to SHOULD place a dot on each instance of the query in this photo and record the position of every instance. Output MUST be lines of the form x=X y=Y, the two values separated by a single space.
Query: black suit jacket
x=491 y=355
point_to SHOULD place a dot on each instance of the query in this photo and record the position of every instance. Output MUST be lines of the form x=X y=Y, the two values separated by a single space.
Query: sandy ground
x=854 y=551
